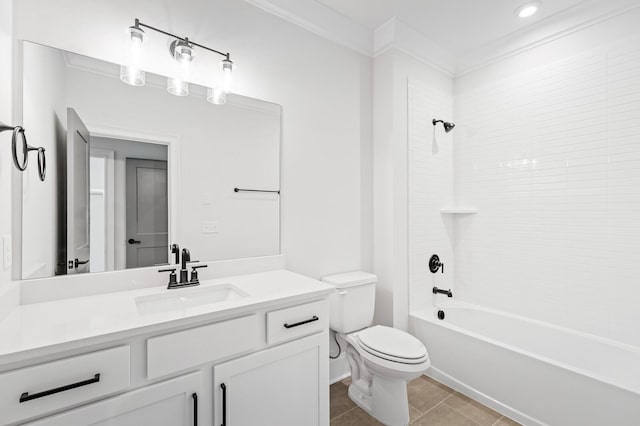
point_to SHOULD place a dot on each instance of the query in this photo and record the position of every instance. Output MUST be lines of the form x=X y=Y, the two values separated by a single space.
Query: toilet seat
x=391 y=345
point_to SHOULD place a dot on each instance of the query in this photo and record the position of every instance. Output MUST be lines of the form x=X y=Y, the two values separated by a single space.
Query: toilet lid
x=392 y=343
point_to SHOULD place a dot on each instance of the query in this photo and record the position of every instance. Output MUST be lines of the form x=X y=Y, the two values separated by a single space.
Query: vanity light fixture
x=182 y=50
x=528 y=9
x=131 y=72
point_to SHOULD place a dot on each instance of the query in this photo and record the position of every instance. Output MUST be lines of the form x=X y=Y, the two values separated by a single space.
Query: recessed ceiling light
x=528 y=9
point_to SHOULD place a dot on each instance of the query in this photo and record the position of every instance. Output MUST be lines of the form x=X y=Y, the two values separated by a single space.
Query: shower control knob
x=435 y=264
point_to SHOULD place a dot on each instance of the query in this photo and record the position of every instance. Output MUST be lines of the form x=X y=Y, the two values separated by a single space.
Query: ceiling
x=458 y=26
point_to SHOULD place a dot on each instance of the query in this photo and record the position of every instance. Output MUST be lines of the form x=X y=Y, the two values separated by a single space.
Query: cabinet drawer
x=179 y=351
x=44 y=388
x=297 y=321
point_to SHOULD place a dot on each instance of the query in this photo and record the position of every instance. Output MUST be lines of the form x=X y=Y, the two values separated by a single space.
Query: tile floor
x=430 y=404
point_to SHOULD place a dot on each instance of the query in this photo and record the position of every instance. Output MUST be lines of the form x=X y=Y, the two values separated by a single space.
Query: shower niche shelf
x=466 y=210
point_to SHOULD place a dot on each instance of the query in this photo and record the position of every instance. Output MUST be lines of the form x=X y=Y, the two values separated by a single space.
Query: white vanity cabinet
x=260 y=366
x=175 y=402
x=284 y=385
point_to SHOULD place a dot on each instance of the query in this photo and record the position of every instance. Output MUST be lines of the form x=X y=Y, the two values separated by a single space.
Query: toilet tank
x=351 y=306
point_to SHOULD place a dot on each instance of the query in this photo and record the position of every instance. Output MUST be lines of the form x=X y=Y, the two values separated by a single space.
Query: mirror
x=131 y=170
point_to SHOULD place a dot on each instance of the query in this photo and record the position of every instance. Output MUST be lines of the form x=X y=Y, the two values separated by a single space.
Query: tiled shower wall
x=430 y=166
x=551 y=159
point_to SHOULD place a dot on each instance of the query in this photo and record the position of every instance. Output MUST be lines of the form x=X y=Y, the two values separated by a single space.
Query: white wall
x=408 y=91
x=548 y=149
x=325 y=91
x=8 y=292
x=6 y=116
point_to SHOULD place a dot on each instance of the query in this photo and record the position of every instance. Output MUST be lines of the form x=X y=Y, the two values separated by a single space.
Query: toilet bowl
x=381 y=359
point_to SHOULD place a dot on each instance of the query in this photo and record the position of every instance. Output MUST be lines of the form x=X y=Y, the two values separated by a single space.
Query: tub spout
x=436 y=290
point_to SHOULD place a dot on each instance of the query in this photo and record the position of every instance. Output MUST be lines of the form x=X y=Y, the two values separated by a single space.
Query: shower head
x=447 y=126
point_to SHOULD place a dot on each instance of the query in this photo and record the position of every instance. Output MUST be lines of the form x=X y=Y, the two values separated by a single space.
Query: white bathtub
x=531 y=371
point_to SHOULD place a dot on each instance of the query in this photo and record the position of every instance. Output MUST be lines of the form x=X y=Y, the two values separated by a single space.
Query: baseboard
x=473 y=393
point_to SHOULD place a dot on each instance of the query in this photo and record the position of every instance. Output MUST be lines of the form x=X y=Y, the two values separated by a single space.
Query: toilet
x=382 y=359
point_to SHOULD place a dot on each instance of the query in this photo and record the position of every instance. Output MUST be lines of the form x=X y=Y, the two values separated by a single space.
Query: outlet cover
x=210 y=227
x=6 y=251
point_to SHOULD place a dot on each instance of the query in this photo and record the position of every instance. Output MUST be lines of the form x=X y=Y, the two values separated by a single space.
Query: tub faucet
x=436 y=290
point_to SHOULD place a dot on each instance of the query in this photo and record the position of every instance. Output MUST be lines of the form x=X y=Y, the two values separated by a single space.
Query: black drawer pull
x=224 y=404
x=26 y=397
x=195 y=408
x=312 y=319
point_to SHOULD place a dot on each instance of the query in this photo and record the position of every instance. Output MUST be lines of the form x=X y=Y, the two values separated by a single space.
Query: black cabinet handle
x=312 y=319
x=26 y=397
x=195 y=408
x=224 y=403
x=132 y=241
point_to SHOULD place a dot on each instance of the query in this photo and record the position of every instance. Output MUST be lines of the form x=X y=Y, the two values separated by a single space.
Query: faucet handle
x=173 y=279
x=194 y=273
x=435 y=264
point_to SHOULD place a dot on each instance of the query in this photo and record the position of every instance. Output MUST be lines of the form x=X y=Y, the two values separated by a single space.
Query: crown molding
x=394 y=34
x=322 y=21
x=580 y=17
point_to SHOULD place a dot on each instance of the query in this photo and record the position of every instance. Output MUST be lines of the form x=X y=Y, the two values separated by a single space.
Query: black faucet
x=184 y=272
x=436 y=290
x=175 y=249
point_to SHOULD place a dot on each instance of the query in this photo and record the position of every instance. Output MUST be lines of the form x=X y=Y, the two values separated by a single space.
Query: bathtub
x=531 y=371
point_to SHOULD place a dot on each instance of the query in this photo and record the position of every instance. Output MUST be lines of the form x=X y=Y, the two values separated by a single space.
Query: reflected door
x=147 y=212
x=78 y=245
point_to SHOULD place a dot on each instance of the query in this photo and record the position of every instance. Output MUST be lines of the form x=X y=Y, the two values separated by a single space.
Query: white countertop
x=40 y=328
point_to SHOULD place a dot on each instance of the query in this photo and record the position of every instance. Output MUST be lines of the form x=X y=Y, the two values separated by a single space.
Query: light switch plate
x=6 y=251
x=210 y=227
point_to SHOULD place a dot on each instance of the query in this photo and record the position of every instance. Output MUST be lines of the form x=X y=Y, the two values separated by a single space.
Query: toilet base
x=387 y=401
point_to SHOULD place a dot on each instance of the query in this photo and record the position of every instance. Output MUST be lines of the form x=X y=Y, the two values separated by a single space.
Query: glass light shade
x=132 y=75
x=131 y=71
x=216 y=96
x=177 y=86
x=183 y=55
x=227 y=75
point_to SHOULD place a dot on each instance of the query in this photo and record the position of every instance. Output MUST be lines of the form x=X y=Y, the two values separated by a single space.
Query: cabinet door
x=170 y=403
x=287 y=385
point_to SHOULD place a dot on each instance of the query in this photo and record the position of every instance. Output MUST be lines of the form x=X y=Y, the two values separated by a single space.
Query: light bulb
x=183 y=55
x=227 y=75
x=528 y=9
x=131 y=71
x=216 y=96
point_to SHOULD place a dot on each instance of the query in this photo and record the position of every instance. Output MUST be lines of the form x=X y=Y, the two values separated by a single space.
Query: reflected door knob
x=77 y=262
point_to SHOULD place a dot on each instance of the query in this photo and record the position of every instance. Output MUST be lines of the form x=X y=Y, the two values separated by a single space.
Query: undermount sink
x=180 y=299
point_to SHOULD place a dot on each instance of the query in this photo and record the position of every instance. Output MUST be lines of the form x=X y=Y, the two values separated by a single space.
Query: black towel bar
x=255 y=190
